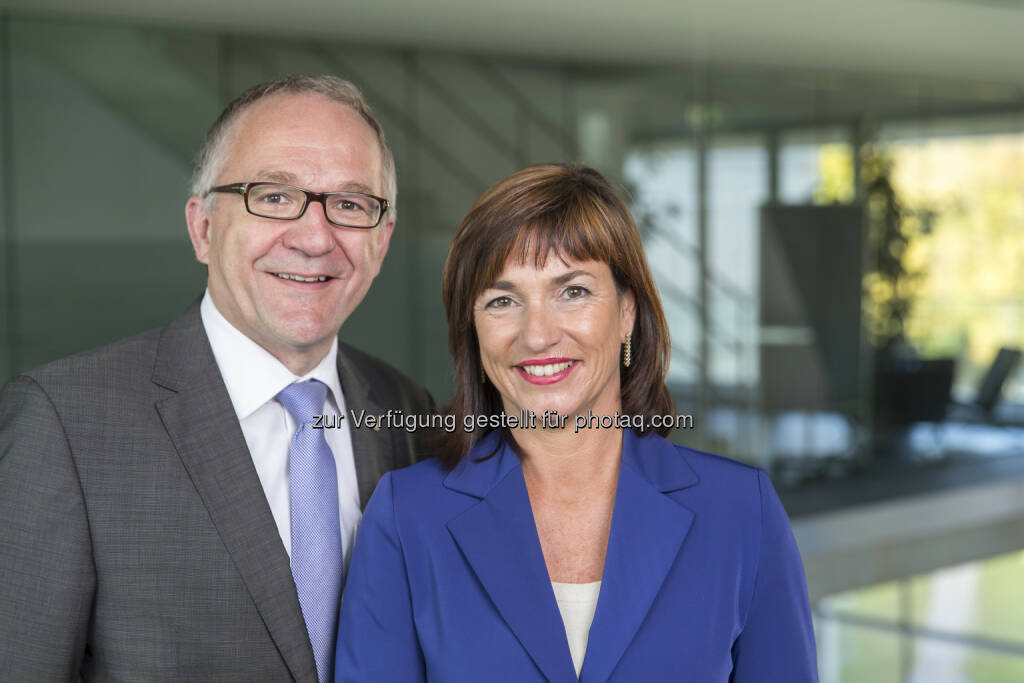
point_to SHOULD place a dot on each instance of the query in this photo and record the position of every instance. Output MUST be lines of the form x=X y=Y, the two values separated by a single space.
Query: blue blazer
x=702 y=580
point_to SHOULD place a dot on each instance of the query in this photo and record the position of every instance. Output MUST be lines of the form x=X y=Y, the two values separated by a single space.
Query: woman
x=556 y=550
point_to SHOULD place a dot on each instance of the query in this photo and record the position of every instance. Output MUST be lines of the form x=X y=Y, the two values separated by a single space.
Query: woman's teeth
x=299 y=278
x=545 y=370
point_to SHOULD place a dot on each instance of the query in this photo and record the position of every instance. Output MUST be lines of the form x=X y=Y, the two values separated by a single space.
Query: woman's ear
x=627 y=312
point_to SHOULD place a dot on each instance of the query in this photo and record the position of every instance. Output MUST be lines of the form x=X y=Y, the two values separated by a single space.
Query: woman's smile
x=546 y=370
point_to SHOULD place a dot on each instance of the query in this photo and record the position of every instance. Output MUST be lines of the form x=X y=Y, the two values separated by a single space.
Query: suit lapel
x=499 y=539
x=648 y=530
x=202 y=425
x=371 y=448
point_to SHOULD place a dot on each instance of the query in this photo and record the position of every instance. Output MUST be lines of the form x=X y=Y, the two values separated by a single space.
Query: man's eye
x=351 y=206
x=273 y=198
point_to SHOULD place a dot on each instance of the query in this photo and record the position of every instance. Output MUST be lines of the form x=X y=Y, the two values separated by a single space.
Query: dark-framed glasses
x=286 y=203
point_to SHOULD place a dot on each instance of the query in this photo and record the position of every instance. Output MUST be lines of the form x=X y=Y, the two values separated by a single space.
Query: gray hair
x=210 y=159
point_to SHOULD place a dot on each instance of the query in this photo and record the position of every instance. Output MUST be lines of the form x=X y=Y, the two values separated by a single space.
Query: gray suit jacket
x=136 y=543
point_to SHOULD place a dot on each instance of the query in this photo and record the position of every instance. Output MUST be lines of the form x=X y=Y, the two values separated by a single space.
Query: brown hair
x=573 y=212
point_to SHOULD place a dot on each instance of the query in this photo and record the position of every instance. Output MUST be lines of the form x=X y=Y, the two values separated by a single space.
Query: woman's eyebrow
x=504 y=285
x=508 y=286
x=572 y=274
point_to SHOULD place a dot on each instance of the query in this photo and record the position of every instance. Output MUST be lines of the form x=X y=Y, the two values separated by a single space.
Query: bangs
x=575 y=230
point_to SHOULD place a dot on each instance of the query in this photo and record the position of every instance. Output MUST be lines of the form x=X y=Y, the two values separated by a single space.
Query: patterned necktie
x=316 y=529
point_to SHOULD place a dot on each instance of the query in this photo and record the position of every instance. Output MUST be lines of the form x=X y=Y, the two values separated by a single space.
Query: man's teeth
x=299 y=278
x=546 y=370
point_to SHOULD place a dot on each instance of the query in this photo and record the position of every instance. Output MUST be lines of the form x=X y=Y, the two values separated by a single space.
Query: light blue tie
x=316 y=530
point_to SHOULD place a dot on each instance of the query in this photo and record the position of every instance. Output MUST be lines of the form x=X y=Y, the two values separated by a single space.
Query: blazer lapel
x=499 y=539
x=648 y=530
x=371 y=448
x=202 y=425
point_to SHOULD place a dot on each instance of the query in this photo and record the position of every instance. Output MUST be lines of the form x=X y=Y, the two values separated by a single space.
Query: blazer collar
x=201 y=422
x=498 y=537
x=371 y=449
x=646 y=538
x=476 y=474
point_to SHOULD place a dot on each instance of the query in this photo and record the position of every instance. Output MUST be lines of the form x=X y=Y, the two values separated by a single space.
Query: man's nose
x=311 y=233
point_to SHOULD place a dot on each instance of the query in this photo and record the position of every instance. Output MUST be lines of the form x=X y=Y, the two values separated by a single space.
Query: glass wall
x=960 y=623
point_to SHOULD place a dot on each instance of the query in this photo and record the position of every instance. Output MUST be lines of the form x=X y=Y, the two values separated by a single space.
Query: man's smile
x=303 y=278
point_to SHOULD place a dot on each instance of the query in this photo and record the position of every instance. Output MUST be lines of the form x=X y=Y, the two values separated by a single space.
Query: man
x=170 y=512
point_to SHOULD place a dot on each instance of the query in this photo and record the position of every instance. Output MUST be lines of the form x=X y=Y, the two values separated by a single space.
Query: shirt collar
x=252 y=374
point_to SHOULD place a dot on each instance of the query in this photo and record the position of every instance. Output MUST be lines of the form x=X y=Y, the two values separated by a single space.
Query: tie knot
x=303 y=399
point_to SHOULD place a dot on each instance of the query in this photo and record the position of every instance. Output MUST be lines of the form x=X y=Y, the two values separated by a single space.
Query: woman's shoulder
x=426 y=476
x=706 y=469
x=716 y=481
x=719 y=468
x=418 y=493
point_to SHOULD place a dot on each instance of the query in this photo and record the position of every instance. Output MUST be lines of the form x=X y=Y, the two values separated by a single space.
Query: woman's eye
x=575 y=291
x=500 y=302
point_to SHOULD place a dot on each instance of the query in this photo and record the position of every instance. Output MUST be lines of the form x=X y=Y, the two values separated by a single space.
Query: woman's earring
x=483 y=377
x=627 y=353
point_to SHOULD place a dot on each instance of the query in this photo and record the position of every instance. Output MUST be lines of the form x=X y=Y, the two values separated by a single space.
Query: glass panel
x=7 y=255
x=936 y=661
x=1000 y=598
x=737 y=188
x=109 y=256
x=664 y=183
x=816 y=167
x=852 y=654
x=960 y=185
x=989 y=667
x=879 y=602
x=981 y=599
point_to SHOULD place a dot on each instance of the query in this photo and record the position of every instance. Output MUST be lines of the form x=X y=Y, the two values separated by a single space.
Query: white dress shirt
x=253 y=378
x=577 y=603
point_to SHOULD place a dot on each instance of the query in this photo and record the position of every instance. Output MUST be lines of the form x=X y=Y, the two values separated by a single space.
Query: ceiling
x=971 y=40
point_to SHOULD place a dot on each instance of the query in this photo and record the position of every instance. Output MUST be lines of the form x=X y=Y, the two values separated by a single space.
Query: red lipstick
x=546 y=379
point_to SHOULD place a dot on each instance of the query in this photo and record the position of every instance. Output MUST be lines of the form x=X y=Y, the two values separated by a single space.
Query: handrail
x=512 y=92
x=460 y=171
x=715 y=278
x=977 y=642
x=471 y=118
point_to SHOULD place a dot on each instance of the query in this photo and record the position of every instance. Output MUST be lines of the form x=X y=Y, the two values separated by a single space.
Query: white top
x=577 y=603
x=253 y=378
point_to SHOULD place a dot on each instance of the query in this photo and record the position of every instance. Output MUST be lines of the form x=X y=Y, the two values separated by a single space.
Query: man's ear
x=198 y=220
x=384 y=233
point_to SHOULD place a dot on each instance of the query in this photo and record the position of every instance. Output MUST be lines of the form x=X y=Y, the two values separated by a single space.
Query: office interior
x=831 y=198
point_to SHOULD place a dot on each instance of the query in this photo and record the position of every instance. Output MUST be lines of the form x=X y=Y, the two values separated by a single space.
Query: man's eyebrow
x=277 y=176
x=354 y=186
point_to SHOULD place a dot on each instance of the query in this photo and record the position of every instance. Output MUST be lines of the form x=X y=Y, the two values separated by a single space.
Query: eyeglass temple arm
x=238 y=188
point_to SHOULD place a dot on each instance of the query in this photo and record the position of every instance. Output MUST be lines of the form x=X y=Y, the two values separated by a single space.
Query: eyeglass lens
x=285 y=202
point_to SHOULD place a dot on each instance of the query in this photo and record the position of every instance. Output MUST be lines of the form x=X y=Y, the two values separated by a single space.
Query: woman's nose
x=541 y=328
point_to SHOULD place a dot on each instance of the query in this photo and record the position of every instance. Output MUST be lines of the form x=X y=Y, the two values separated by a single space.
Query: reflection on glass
x=965 y=624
